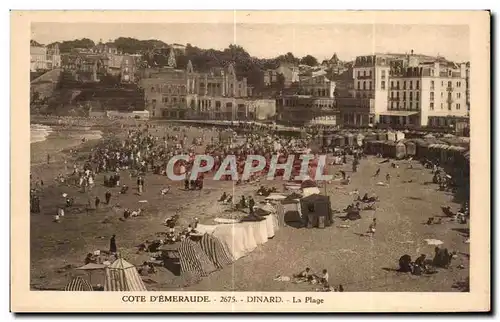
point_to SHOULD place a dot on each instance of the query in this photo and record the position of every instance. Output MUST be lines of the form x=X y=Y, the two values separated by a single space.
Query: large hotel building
x=405 y=90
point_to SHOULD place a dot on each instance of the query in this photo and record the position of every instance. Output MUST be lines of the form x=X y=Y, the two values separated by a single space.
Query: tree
x=309 y=60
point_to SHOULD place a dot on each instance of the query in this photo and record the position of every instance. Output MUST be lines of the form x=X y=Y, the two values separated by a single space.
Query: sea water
x=39 y=133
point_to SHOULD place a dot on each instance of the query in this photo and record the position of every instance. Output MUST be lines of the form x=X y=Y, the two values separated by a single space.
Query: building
x=404 y=90
x=44 y=58
x=105 y=48
x=182 y=94
x=288 y=72
x=314 y=103
x=431 y=94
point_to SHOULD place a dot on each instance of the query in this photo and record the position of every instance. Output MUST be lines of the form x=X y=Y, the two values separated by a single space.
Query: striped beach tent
x=78 y=284
x=193 y=259
x=215 y=251
x=123 y=276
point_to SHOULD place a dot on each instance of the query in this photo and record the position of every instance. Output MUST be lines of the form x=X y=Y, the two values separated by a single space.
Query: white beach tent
x=123 y=276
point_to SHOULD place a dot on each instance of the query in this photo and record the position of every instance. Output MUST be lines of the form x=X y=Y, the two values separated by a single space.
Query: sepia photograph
x=256 y=156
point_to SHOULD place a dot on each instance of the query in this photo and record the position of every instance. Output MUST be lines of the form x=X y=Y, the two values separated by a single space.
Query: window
x=230 y=105
x=382 y=85
x=411 y=84
x=459 y=84
x=397 y=84
x=397 y=95
x=432 y=106
x=404 y=85
x=432 y=96
x=432 y=85
x=417 y=85
x=411 y=96
x=370 y=85
x=392 y=94
x=364 y=85
x=449 y=73
x=404 y=95
x=217 y=104
x=442 y=83
x=449 y=84
x=383 y=74
x=458 y=95
x=174 y=100
x=152 y=89
x=442 y=94
x=432 y=72
x=359 y=85
x=364 y=73
x=441 y=105
x=457 y=106
x=164 y=99
x=392 y=85
x=410 y=105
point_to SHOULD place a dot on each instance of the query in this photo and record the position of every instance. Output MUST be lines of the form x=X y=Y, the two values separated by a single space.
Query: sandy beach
x=358 y=262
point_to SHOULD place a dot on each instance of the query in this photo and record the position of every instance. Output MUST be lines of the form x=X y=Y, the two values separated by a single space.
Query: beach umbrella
x=90 y=267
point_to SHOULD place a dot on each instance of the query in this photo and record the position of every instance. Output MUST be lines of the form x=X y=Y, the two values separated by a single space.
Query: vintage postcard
x=250 y=161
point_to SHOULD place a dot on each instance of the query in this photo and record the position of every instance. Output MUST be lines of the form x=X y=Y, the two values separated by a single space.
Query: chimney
x=411 y=52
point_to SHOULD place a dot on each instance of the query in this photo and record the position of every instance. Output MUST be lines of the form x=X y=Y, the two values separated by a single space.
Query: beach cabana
x=381 y=136
x=349 y=139
x=315 y=209
x=360 y=139
x=391 y=136
x=411 y=148
x=400 y=135
x=400 y=152
x=121 y=276
x=389 y=149
x=339 y=141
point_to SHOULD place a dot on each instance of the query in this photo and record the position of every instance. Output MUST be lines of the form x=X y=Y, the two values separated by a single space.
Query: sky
x=271 y=40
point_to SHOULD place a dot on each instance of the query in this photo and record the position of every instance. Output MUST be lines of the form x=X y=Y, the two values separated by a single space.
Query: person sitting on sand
x=323 y=278
x=243 y=202
x=305 y=275
x=57 y=218
x=124 y=189
x=164 y=191
x=405 y=264
x=126 y=213
x=223 y=197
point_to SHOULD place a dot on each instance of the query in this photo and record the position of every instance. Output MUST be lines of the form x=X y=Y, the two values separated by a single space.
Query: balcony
x=449 y=88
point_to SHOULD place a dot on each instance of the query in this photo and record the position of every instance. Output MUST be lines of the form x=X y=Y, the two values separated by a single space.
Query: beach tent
x=233 y=239
x=193 y=259
x=215 y=251
x=78 y=284
x=122 y=276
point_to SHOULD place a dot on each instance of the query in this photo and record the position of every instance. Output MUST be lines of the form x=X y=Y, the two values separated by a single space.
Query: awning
x=399 y=113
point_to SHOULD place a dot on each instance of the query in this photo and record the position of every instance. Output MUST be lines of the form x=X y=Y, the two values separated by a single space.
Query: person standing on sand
x=48 y=158
x=108 y=197
x=97 y=202
x=251 y=204
x=112 y=245
x=388 y=178
x=373 y=225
